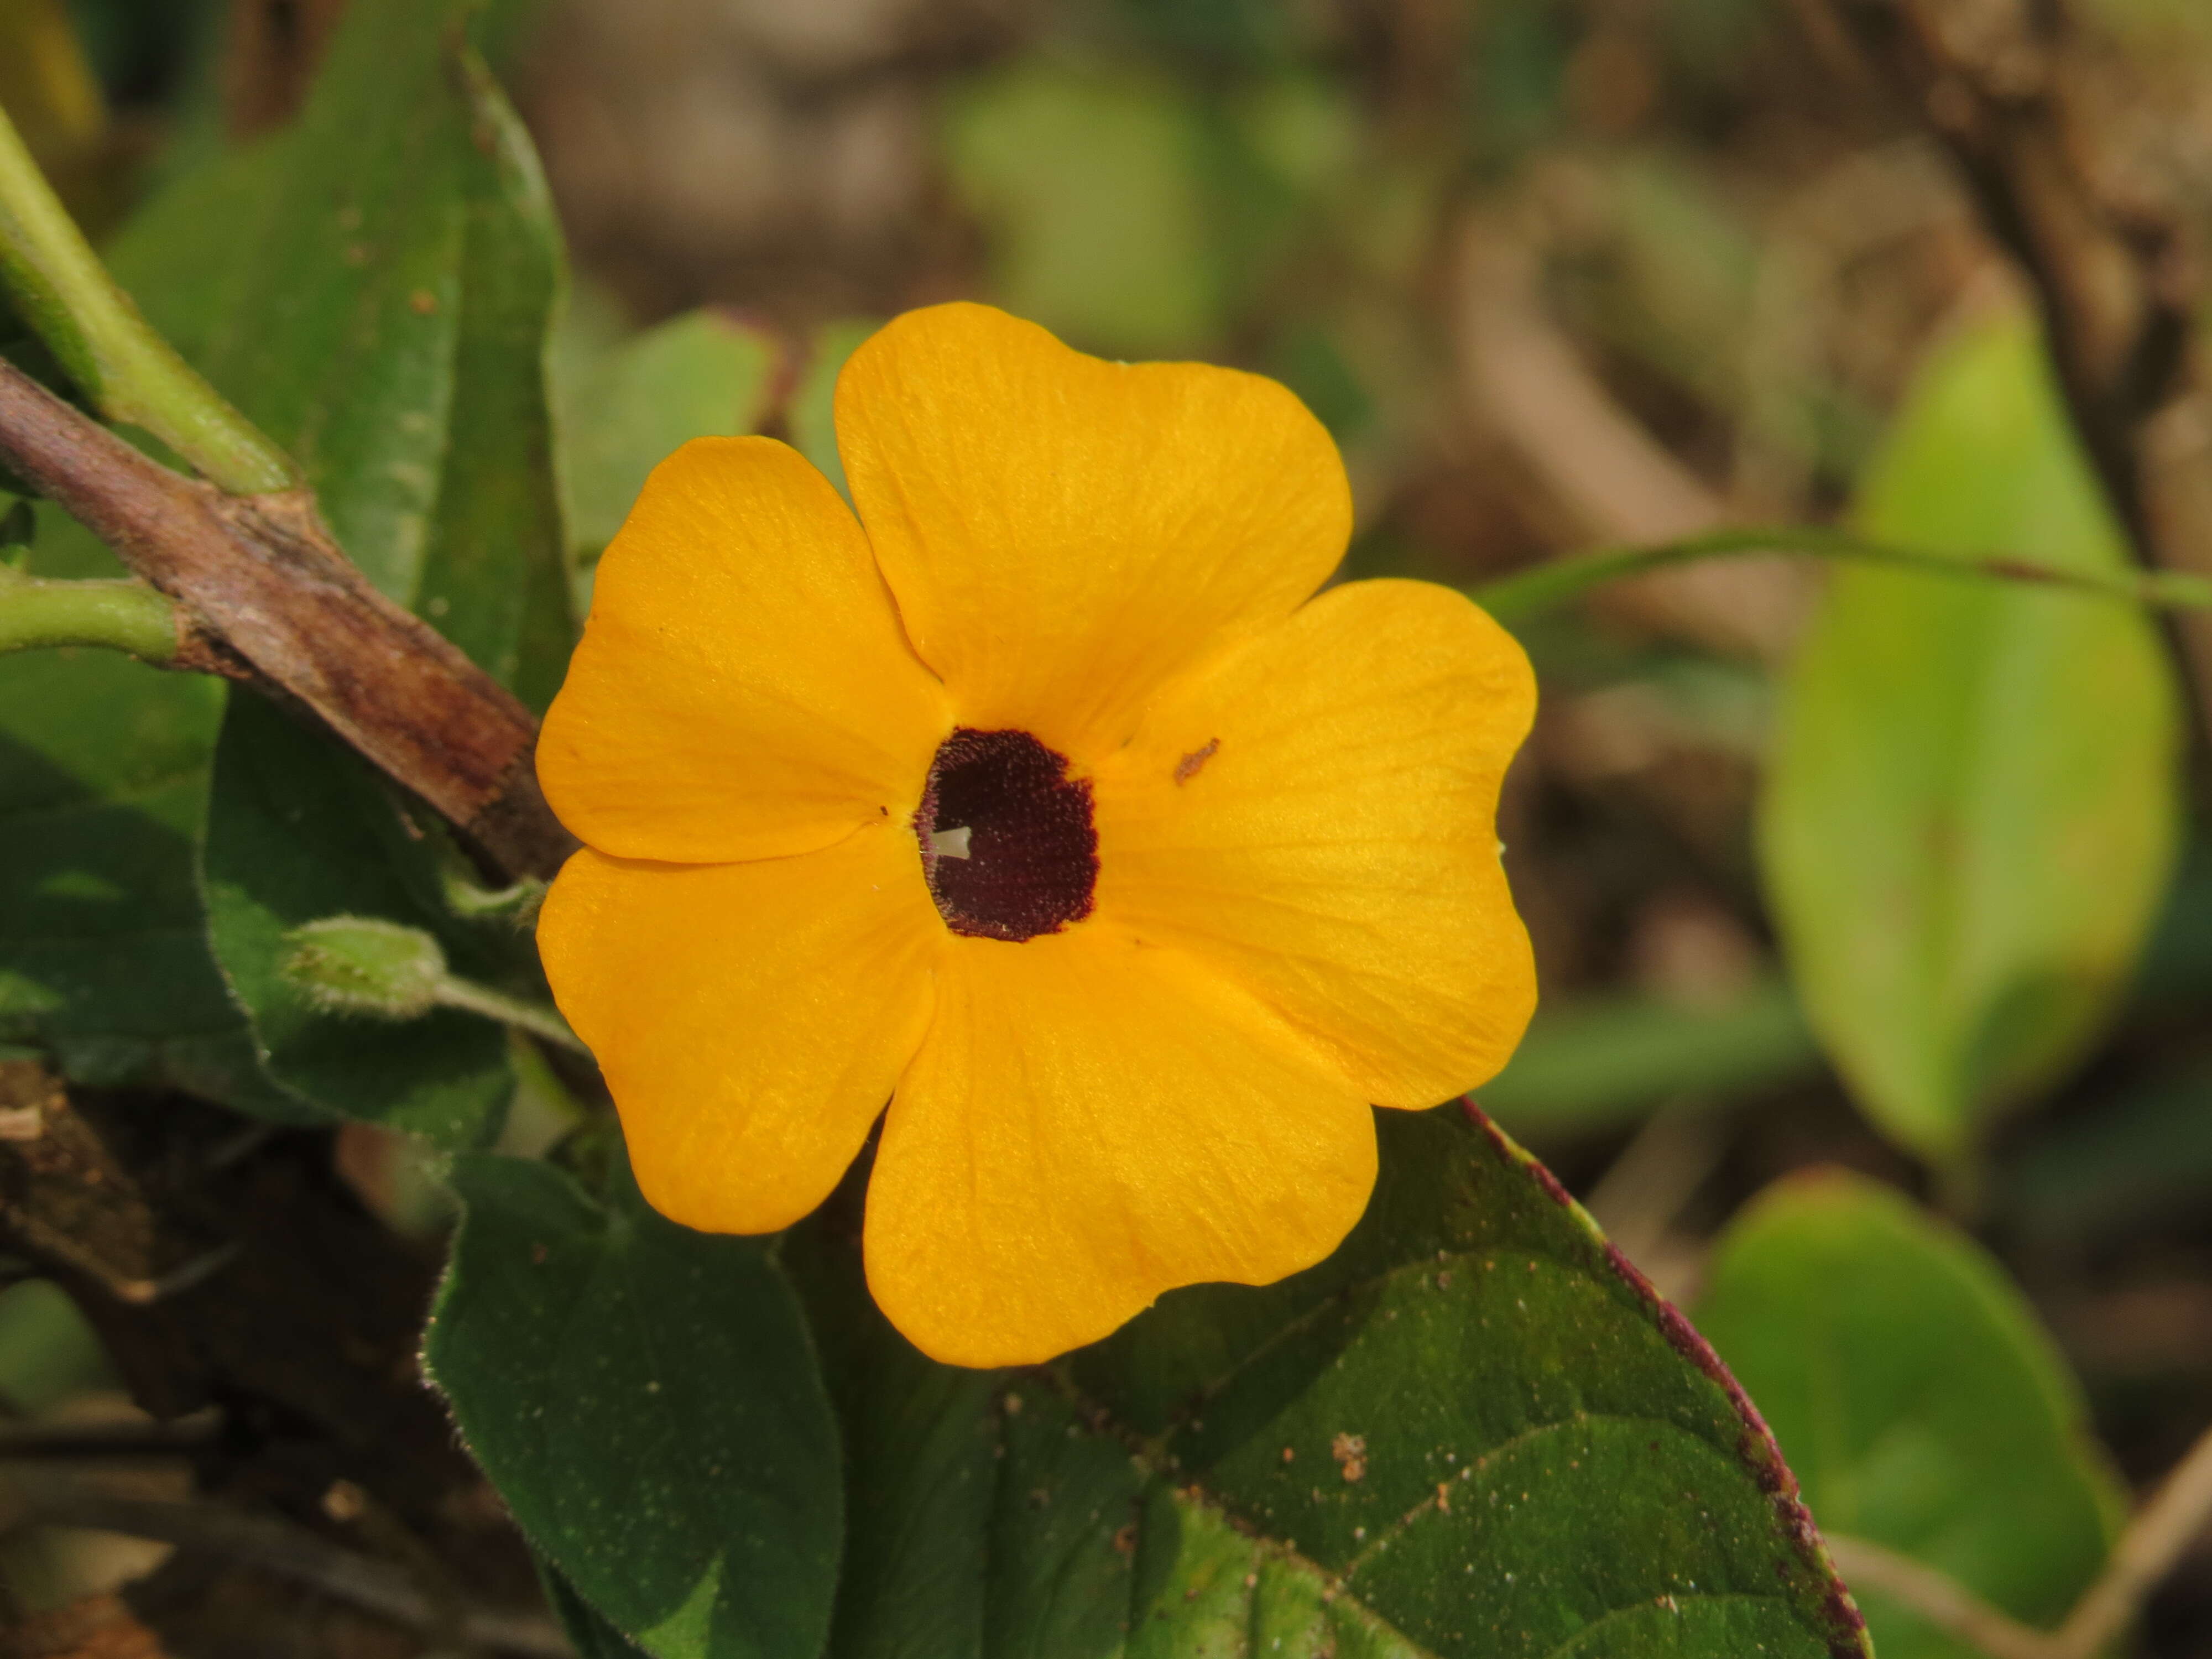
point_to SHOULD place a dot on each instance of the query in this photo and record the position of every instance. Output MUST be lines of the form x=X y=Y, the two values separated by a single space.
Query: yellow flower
x=1042 y=802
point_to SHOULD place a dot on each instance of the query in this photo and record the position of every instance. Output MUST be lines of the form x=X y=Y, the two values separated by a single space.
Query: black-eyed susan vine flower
x=1043 y=801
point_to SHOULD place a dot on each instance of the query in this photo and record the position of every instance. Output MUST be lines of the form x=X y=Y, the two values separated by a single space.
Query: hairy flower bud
x=363 y=965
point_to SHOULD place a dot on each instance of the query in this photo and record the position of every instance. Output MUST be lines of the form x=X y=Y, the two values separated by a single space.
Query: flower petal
x=1315 y=816
x=1061 y=532
x=1090 y=1123
x=750 y=1018
x=743 y=689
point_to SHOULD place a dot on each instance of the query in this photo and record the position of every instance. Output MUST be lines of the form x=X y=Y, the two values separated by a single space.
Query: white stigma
x=949 y=843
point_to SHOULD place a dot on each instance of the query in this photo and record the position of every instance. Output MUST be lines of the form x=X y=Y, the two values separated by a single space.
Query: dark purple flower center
x=1006 y=837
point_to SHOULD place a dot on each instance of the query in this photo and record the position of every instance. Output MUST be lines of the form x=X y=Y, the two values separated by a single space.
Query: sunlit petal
x=750 y=1018
x=743 y=689
x=1089 y=1123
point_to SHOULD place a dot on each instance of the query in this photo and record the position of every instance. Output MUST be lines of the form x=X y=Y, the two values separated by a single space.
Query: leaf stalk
x=131 y=375
x=116 y=615
x=535 y=1018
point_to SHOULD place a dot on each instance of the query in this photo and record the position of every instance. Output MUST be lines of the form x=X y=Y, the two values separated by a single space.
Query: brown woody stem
x=267 y=597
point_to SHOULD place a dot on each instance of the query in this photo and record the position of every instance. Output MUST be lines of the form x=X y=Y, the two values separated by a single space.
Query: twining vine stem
x=535 y=1018
x=1525 y=593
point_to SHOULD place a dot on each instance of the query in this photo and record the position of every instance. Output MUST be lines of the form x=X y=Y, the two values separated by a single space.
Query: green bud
x=363 y=965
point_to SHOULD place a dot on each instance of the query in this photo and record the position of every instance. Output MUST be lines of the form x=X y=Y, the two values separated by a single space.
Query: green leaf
x=374 y=287
x=1920 y=1403
x=1469 y=1434
x=703 y=375
x=1971 y=809
x=104 y=959
x=593 y=1636
x=496 y=577
x=1093 y=188
x=649 y=1403
x=299 y=830
x=103 y=955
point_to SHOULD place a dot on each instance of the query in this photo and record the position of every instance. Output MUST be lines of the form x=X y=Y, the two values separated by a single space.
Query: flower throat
x=1007 y=842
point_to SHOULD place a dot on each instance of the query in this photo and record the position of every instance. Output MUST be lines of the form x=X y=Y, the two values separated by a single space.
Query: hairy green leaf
x=374 y=286
x=298 y=830
x=1470 y=1433
x=648 y=1400
x=104 y=959
x=1918 y=1398
x=593 y=1636
x=1971 y=809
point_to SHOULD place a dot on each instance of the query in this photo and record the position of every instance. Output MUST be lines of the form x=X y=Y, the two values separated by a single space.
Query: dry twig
x=277 y=1546
x=2154 y=1541
x=1939 y=1599
x=126 y=1437
x=2176 y=1516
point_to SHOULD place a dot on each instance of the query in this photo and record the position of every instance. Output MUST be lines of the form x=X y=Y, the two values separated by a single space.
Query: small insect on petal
x=949 y=843
x=1189 y=766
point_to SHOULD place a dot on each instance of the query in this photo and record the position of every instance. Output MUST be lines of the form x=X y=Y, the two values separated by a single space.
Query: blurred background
x=1557 y=275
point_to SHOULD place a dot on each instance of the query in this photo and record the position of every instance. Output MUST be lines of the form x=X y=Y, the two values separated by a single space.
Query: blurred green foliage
x=699 y=375
x=48 y=1354
x=1598 y=1063
x=811 y=413
x=1105 y=232
x=1965 y=846
x=1918 y=1401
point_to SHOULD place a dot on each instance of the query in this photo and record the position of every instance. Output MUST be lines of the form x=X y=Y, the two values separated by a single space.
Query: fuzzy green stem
x=1509 y=599
x=121 y=616
x=531 y=1017
x=131 y=373
x=518 y=903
